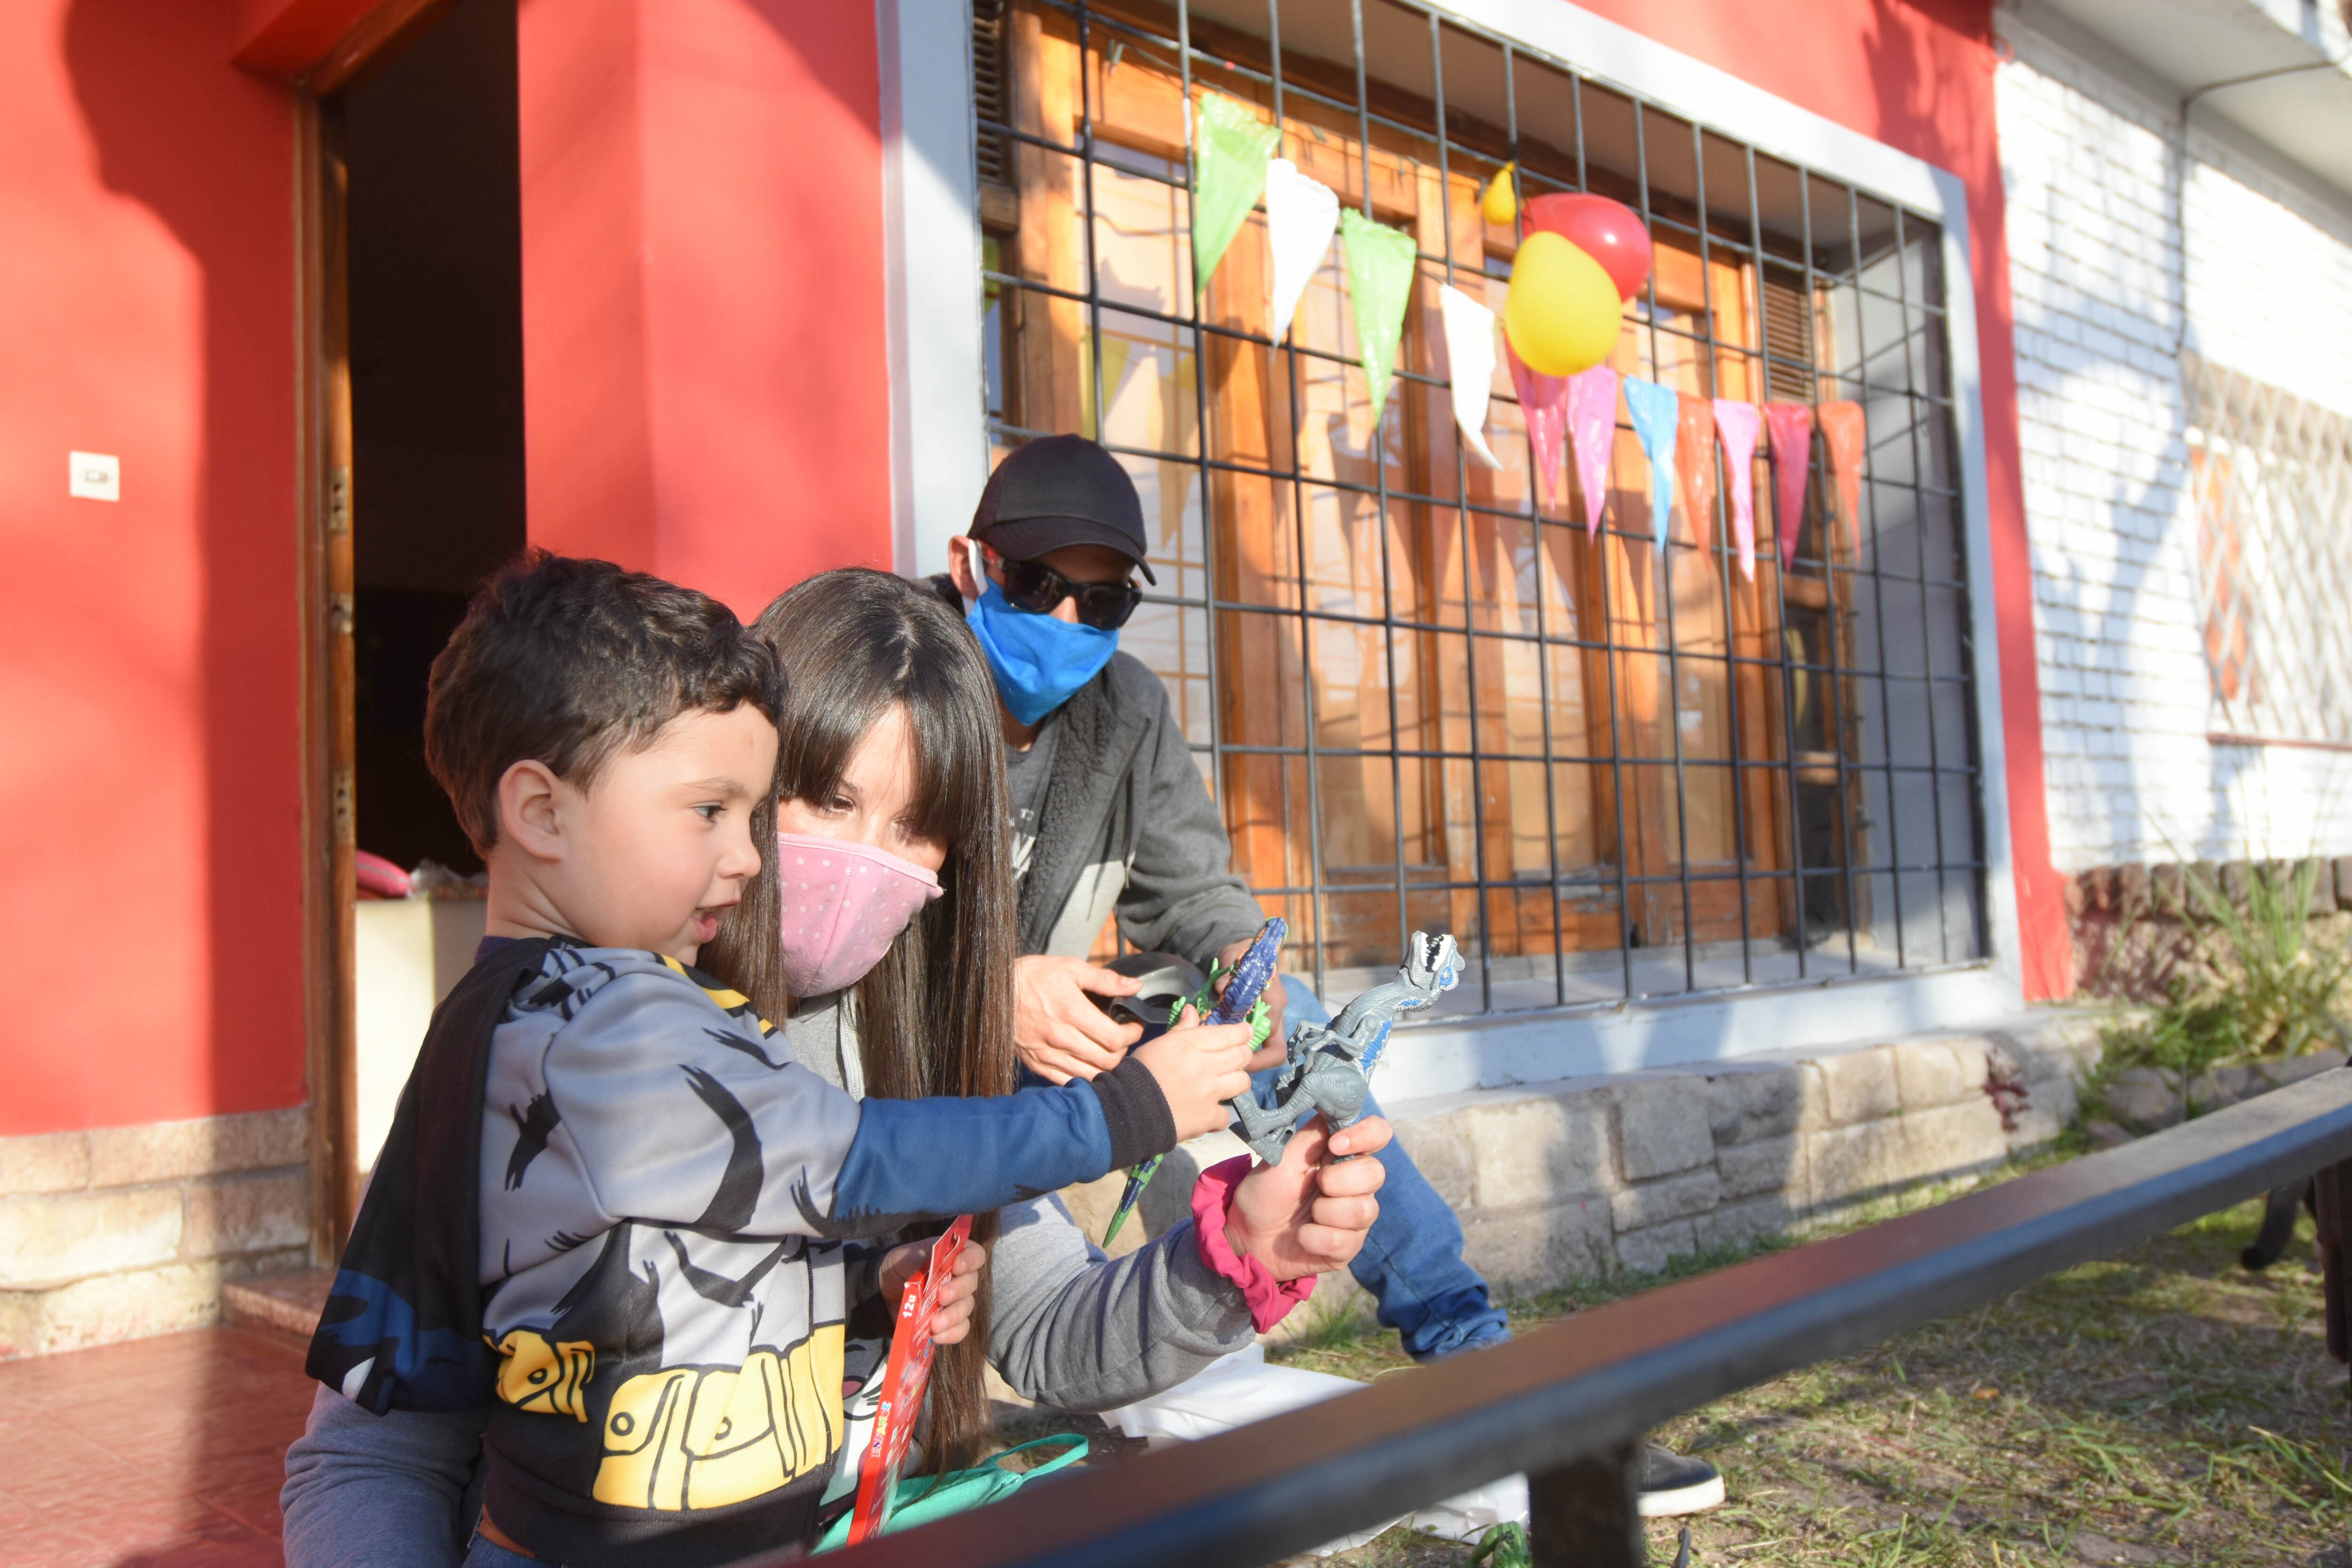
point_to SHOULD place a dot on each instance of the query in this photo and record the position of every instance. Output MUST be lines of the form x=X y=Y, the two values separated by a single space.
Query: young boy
x=609 y=1205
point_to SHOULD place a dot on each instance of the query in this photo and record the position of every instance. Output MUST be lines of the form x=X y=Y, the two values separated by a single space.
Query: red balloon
x=1609 y=232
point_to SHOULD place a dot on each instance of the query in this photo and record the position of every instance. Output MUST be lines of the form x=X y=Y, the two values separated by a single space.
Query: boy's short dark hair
x=570 y=662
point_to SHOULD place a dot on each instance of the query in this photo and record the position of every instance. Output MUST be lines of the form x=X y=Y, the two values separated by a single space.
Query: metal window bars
x=1366 y=634
x=2273 y=482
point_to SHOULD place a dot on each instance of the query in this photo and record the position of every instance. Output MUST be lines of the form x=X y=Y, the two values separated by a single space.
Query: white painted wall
x=2107 y=297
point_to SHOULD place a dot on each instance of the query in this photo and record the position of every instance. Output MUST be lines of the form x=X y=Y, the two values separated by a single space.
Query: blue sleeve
x=913 y=1157
x=922 y=1157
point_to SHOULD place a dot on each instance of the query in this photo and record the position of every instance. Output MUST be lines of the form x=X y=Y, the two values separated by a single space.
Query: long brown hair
x=935 y=1015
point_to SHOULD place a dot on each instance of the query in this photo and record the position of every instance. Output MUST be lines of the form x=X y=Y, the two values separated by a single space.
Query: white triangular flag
x=1302 y=212
x=1470 y=359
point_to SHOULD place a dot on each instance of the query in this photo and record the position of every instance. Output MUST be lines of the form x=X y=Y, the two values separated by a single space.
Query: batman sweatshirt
x=663 y=1189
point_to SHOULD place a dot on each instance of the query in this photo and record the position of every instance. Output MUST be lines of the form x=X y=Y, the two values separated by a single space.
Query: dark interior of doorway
x=436 y=281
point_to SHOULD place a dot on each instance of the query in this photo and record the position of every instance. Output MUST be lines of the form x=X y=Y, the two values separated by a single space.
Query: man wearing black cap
x=1110 y=815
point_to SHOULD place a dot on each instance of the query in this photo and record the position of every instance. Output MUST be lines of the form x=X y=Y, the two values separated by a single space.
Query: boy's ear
x=526 y=811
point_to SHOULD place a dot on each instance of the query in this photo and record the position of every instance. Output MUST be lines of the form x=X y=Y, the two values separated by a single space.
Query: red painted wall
x=148 y=786
x=1918 y=76
x=705 y=382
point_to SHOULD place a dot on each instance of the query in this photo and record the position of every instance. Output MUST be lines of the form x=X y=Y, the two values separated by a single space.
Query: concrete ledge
x=1588 y=1175
x=283 y=1304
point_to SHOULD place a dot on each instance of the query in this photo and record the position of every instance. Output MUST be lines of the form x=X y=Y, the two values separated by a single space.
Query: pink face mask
x=843 y=905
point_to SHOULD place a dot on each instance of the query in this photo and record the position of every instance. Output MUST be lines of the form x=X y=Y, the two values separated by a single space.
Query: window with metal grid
x=1423 y=697
x=2273 y=481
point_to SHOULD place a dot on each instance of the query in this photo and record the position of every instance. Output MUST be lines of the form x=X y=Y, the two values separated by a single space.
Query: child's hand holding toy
x=1199 y=1066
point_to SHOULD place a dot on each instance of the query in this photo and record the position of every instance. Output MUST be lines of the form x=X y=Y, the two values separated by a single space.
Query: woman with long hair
x=876 y=677
x=889 y=738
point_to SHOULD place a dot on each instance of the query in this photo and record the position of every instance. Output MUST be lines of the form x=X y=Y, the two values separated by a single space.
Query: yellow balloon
x=1562 y=314
x=1500 y=205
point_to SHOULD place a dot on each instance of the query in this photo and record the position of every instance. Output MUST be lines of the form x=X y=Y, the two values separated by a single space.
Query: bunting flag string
x=1841 y=431
x=1381 y=264
x=1591 y=431
x=1695 y=466
x=1470 y=363
x=1543 y=404
x=1656 y=414
x=1792 y=428
x=1302 y=214
x=1231 y=150
x=1735 y=425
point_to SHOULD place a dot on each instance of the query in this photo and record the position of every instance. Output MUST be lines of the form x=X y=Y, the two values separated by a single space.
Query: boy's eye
x=710 y=811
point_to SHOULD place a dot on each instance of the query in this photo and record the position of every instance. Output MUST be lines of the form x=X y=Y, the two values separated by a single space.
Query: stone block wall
x=120 y=1232
x=1589 y=1175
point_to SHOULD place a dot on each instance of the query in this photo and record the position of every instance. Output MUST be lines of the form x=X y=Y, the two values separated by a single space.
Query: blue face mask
x=1038 y=660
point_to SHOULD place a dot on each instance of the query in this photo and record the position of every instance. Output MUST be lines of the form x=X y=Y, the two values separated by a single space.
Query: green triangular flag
x=1233 y=149
x=1381 y=262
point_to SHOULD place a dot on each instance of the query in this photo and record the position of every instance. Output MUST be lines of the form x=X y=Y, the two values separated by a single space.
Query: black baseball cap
x=1059 y=490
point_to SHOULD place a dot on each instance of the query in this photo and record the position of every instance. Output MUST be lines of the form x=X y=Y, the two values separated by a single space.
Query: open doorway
x=423 y=306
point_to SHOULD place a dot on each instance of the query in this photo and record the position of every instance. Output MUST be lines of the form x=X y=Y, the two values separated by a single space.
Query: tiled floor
x=162 y=1451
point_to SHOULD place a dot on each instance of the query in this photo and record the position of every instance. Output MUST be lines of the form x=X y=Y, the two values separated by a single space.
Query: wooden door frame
x=327 y=718
x=323 y=564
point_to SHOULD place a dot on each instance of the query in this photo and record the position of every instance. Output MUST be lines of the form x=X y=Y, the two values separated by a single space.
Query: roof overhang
x=2299 y=105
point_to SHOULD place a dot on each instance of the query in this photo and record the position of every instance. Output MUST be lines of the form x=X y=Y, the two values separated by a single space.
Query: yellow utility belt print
x=692 y=1436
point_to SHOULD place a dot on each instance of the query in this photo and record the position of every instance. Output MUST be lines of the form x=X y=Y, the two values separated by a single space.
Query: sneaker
x=1673 y=1483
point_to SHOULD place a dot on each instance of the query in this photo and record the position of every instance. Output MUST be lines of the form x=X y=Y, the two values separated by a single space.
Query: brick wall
x=2112 y=283
x=124 y=1231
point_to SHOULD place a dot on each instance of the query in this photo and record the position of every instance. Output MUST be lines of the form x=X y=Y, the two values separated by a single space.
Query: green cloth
x=927 y=1497
x=1230 y=156
x=1380 y=265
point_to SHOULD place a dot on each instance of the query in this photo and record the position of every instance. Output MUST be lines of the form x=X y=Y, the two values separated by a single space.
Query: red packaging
x=904 y=1379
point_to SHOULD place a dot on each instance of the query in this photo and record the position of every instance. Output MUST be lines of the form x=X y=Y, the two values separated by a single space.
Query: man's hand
x=1276 y=996
x=1199 y=1066
x=1309 y=1215
x=952 y=1318
x=1058 y=1033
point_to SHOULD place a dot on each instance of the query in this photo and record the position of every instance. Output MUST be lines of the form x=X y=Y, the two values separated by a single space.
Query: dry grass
x=2164 y=1406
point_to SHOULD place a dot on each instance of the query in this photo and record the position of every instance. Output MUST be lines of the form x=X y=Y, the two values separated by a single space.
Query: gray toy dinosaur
x=1329 y=1066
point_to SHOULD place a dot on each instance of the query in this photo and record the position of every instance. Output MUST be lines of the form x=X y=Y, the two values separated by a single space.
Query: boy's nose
x=741 y=860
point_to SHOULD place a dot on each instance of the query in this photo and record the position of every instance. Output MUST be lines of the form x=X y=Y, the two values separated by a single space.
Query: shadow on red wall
x=209 y=151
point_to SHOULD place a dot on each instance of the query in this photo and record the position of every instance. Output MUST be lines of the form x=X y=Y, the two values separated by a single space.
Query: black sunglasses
x=1035 y=587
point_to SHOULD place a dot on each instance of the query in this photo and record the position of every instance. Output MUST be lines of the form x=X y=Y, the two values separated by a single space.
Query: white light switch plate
x=94 y=476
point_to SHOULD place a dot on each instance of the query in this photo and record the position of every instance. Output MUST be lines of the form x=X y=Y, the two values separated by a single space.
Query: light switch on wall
x=94 y=476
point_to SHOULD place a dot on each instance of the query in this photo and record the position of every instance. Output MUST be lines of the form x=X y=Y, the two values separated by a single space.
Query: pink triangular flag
x=1543 y=402
x=1734 y=426
x=1842 y=427
x=1694 y=466
x=1791 y=425
x=1592 y=430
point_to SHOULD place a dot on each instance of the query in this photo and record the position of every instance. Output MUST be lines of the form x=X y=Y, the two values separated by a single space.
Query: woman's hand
x=951 y=1317
x=1057 y=1030
x=1309 y=1215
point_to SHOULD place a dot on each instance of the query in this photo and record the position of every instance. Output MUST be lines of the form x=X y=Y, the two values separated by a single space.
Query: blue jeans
x=483 y=1552
x=1411 y=1262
